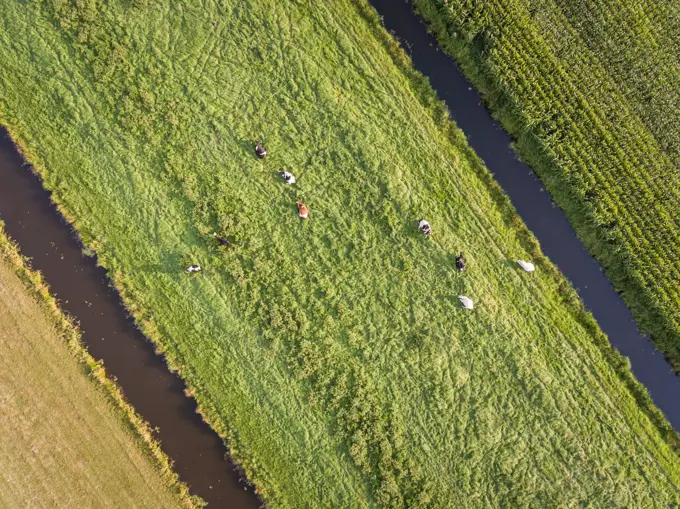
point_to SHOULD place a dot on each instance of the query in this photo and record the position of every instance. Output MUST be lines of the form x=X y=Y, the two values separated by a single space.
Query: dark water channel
x=83 y=289
x=534 y=205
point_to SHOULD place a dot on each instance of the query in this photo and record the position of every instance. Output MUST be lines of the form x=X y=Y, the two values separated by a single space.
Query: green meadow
x=332 y=354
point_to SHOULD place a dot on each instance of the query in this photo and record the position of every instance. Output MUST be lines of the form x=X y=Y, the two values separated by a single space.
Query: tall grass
x=331 y=354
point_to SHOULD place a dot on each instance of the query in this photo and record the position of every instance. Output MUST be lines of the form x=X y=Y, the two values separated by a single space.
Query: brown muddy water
x=84 y=291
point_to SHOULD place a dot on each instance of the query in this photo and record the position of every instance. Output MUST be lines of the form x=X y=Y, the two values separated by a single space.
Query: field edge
x=34 y=283
x=145 y=324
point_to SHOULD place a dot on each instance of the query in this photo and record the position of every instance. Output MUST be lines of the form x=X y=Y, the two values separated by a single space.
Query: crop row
x=645 y=66
x=637 y=188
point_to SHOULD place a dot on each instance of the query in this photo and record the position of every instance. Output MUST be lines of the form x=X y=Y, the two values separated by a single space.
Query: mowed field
x=591 y=91
x=66 y=438
x=333 y=353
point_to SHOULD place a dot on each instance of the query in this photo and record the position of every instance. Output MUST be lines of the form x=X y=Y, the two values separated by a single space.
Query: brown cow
x=303 y=211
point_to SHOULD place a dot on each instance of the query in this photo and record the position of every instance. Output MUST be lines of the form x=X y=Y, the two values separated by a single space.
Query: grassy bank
x=69 y=438
x=332 y=354
x=591 y=93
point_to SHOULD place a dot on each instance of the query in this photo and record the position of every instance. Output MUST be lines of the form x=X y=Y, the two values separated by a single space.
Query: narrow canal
x=83 y=289
x=534 y=205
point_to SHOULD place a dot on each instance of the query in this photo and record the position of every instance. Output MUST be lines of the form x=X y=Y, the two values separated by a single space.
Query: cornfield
x=591 y=91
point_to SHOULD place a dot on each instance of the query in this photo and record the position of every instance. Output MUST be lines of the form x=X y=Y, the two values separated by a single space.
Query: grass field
x=591 y=91
x=68 y=439
x=332 y=353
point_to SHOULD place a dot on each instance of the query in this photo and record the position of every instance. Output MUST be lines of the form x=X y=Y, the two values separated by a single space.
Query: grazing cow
x=288 y=177
x=221 y=240
x=424 y=227
x=460 y=262
x=194 y=268
x=467 y=303
x=260 y=150
x=303 y=211
x=527 y=266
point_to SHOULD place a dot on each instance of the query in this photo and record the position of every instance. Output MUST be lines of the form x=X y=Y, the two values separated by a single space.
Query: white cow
x=424 y=227
x=467 y=302
x=288 y=177
x=527 y=266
